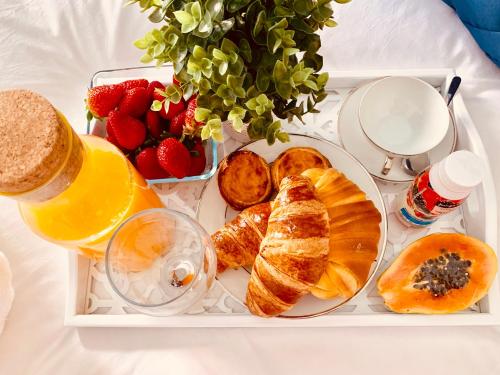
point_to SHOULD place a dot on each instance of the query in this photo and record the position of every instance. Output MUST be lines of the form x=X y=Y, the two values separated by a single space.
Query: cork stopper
x=34 y=142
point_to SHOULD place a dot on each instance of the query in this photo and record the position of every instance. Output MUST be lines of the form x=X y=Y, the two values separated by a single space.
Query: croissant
x=294 y=251
x=237 y=243
x=354 y=233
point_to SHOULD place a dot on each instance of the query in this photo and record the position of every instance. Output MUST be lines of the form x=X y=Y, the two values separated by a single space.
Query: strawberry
x=147 y=164
x=129 y=132
x=110 y=137
x=103 y=99
x=173 y=109
x=154 y=123
x=133 y=83
x=152 y=94
x=198 y=159
x=135 y=102
x=175 y=81
x=191 y=127
x=174 y=157
x=177 y=124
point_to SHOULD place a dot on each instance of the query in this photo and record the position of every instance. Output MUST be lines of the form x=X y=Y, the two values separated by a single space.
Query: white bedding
x=53 y=46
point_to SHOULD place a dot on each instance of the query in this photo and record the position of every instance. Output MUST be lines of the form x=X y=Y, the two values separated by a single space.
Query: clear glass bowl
x=160 y=262
x=163 y=74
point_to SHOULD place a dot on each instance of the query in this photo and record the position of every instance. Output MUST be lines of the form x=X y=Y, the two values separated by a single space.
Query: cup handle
x=387 y=165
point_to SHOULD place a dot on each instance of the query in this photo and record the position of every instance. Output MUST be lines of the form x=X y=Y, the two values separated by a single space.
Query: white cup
x=403 y=116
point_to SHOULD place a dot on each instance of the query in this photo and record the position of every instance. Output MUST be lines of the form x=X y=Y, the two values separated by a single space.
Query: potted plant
x=245 y=59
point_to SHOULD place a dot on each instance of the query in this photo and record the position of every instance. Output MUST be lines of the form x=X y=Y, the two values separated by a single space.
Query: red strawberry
x=175 y=81
x=133 y=83
x=147 y=164
x=135 y=102
x=103 y=99
x=191 y=126
x=129 y=132
x=191 y=108
x=177 y=124
x=198 y=159
x=173 y=109
x=153 y=85
x=174 y=157
x=110 y=137
x=154 y=123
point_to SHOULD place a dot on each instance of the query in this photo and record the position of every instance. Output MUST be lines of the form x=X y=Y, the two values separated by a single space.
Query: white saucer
x=355 y=142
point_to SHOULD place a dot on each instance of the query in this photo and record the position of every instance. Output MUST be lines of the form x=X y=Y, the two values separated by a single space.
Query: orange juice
x=106 y=191
x=73 y=191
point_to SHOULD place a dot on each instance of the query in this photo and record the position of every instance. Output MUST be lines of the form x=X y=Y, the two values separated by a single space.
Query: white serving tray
x=91 y=303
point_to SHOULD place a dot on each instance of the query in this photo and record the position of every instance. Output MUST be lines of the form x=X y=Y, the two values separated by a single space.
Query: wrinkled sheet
x=54 y=46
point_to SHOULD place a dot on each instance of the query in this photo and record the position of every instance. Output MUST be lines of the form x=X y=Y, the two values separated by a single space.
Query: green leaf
x=205 y=132
x=201 y=114
x=311 y=84
x=90 y=116
x=251 y=104
x=215 y=128
x=204 y=86
x=235 y=5
x=284 y=89
x=280 y=71
x=322 y=79
x=158 y=50
x=262 y=80
x=237 y=124
x=282 y=11
x=157 y=35
x=300 y=24
x=301 y=7
x=259 y=23
x=272 y=131
x=330 y=23
x=199 y=52
x=187 y=91
x=299 y=76
x=245 y=50
x=187 y=21
x=283 y=137
x=183 y=17
x=157 y=15
x=205 y=26
x=141 y=43
x=237 y=111
x=214 y=8
x=156 y=105
x=227 y=46
x=146 y=58
x=218 y=54
x=195 y=11
x=223 y=67
x=282 y=24
x=240 y=92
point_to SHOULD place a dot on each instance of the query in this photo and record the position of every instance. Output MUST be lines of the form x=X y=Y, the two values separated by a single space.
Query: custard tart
x=244 y=179
x=296 y=160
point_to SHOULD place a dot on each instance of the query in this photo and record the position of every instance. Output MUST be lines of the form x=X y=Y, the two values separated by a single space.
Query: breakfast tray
x=91 y=302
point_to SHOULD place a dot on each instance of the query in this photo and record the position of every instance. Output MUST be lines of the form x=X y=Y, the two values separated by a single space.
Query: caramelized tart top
x=296 y=160
x=244 y=179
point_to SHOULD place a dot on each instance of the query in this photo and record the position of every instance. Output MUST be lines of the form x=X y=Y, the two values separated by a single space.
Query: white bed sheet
x=54 y=46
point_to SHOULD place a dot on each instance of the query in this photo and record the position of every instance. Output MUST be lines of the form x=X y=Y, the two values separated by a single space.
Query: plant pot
x=237 y=136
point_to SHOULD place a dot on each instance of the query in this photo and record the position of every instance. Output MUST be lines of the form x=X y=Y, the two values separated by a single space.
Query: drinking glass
x=160 y=262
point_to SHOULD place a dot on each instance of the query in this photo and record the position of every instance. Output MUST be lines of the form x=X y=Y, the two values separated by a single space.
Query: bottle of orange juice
x=72 y=190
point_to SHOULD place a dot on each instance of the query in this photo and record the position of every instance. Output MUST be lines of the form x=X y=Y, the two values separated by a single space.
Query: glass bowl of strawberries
x=161 y=138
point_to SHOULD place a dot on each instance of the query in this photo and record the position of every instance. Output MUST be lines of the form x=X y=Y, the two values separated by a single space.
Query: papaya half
x=438 y=274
